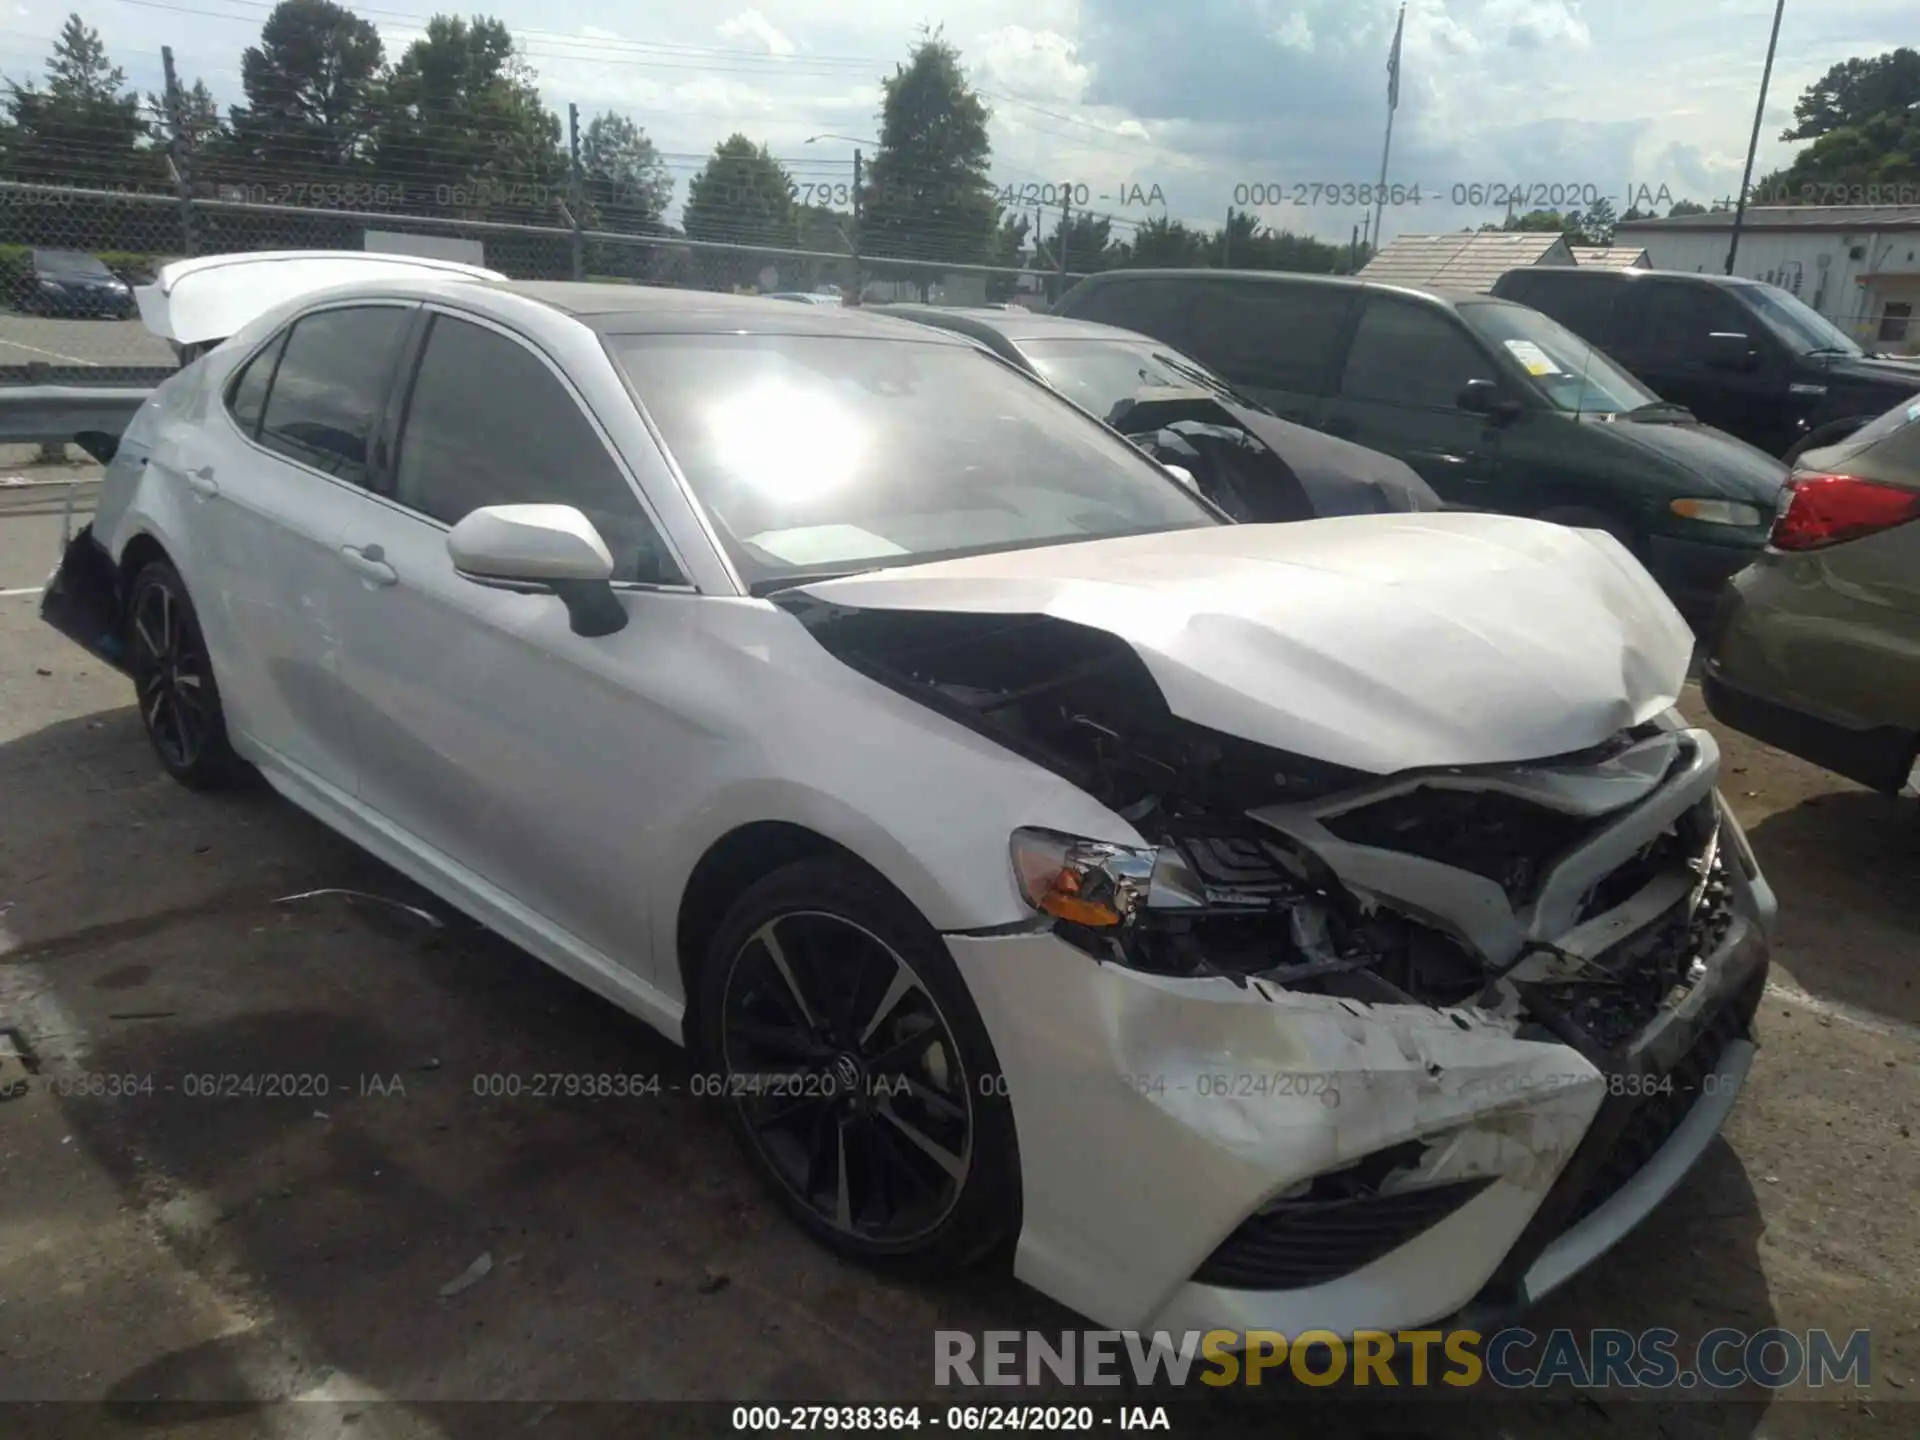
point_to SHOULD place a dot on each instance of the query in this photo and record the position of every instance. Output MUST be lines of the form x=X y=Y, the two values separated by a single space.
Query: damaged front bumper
x=1215 y=1151
x=82 y=600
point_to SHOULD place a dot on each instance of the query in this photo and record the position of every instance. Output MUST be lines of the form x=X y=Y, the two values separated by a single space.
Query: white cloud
x=752 y=25
x=1036 y=65
x=1295 y=33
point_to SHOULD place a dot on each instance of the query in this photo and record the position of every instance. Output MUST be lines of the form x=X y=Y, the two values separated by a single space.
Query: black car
x=1495 y=405
x=1248 y=461
x=1742 y=355
x=74 y=284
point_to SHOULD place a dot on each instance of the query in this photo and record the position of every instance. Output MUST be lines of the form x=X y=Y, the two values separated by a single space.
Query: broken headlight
x=1097 y=883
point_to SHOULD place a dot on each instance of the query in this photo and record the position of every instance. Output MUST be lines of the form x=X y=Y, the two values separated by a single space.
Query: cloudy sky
x=1200 y=99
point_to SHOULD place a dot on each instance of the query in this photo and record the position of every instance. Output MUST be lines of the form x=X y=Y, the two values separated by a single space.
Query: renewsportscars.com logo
x=1513 y=1359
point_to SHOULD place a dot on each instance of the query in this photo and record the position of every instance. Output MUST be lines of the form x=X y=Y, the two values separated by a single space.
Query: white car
x=1327 y=924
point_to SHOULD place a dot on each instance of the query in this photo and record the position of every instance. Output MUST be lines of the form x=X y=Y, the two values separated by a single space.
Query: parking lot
x=184 y=1259
x=37 y=339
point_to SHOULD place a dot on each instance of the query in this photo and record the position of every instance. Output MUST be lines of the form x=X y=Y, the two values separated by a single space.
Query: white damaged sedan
x=1323 y=925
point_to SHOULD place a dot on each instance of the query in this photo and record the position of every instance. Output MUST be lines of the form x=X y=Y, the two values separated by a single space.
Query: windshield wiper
x=1833 y=350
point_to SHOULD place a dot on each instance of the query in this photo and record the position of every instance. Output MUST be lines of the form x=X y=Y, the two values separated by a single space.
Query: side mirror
x=100 y=444
x=1732 y=350
x=1183 y=475
x=1485 y=397
x=542 y=547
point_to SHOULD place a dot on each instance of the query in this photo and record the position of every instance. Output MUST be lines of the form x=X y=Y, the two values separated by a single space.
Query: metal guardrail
x=50 y=404
x=54 y=414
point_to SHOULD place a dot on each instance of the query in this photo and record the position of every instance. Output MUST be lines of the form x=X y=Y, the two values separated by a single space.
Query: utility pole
x=1226 y=241
x=1353 y=255
x=853 y=240
x=574 y=196
x=179 y=150
x=1065 y=215
x=1753 y=145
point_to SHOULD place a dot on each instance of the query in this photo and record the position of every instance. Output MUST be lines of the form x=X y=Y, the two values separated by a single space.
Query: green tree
x=84 y=127
x=742 y=196
x=1161 y=242
x=627 y=185
x=462 y=125
x=1595 y=226
x=1009 y=251
x=312 y=87
x=1854 y=92
x=1863 y=117
x=929 y=195
x=1686 y=207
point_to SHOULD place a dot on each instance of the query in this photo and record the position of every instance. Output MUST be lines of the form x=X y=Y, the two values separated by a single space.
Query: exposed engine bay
x=1224 y=894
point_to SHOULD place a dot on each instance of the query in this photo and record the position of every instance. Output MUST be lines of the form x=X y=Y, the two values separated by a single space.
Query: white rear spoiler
x=204 y=300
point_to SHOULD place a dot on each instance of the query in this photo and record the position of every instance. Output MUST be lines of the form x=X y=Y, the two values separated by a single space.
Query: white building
x=1858 y=265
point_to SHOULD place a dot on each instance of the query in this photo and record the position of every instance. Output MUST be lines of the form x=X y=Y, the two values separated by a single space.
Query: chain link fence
x=135 y=232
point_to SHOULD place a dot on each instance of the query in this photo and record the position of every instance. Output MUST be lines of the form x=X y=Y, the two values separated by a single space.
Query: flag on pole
x=1393 y=63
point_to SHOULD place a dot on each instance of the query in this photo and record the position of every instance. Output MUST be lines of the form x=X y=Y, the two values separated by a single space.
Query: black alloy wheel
x=173 y=682
x=856 y=1071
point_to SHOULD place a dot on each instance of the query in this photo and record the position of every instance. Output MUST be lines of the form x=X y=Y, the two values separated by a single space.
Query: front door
x=1667 y=342
x=488 y=730
x=1400 y=391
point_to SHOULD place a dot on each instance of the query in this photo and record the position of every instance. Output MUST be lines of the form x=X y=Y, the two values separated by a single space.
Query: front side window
x=1412 y=355
x=828 y=454
x=1678 y=320
x=1566 y=371
x=331 y=386
x=488 y=423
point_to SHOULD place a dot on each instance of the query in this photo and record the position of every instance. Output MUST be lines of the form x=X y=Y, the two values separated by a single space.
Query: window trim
x=399 y=411
x=239 y=373
x=283 y=332
x=1445 y=313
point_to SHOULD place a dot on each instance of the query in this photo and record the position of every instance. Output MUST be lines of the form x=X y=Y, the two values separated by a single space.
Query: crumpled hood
x=1378 y=642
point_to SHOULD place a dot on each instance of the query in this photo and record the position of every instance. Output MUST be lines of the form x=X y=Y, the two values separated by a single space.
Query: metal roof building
x=1464 y=260
x=1611 y=257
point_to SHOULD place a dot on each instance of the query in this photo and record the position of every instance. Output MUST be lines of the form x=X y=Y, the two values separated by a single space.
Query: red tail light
x=1827 y=509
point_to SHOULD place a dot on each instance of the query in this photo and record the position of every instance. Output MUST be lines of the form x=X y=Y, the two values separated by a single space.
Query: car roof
x=1014 y=325
x=1623 y=275
x=1444 y=295
x=658 y=310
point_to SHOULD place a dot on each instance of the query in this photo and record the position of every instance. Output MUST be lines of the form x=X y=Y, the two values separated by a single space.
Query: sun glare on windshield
x=786 y=443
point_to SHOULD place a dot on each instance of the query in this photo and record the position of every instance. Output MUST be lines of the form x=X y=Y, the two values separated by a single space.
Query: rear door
x=269 y=509
x=1399 y=392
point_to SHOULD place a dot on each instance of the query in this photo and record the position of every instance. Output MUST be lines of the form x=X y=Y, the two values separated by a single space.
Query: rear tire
x=856 y=1072
x=174 y=685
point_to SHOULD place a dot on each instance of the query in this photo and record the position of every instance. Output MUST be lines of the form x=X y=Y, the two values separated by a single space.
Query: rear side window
x=1273 y=335
x=489 y=424
x=1406 y=354
x=247 y=396
x=1160 y=308
x=1585 y=306
x=331 y=385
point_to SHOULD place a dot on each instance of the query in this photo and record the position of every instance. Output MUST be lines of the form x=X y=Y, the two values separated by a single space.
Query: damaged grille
x=1647 y=970
x=1657 y=1116
x=1509 y=841
x=1297 y=1243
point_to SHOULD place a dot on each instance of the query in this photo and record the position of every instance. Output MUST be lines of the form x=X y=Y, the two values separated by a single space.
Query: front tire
x=856 y=1072
x=173 y=683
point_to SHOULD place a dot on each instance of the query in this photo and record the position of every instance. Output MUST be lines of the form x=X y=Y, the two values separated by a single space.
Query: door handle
x=369 y=564
x=202 y=483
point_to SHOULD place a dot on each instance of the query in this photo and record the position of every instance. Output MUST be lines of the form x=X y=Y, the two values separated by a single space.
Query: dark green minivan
x=1497 y=406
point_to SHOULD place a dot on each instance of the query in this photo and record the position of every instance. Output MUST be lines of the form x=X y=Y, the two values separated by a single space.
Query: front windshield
x=1098 y=374
x=826 y=453
x=1797 y=323
x=1572 y=375
x=69 y=264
